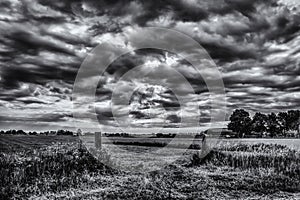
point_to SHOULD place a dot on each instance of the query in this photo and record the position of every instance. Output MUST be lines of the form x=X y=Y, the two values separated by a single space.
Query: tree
x=282 y=118
x=33 y=133
x=293 y=119
x=259 y=123
x=240 y=122
x=273 y=125
x=20 y=132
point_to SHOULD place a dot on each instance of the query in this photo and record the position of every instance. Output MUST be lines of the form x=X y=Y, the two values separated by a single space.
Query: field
x=60 y=167
x=12 y=143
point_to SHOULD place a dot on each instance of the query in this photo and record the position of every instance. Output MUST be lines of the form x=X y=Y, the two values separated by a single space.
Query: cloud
x=254 y=43
x=48 y=117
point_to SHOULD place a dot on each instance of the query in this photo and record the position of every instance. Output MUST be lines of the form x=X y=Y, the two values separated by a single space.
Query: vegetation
x=21 y=132
x=67 y=170
x=162 y=135
x=276 y=164
x=50 y=169
x=283 y=124
x=117 y=134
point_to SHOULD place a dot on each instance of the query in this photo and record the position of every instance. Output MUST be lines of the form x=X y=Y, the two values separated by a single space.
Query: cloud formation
x=255 y=44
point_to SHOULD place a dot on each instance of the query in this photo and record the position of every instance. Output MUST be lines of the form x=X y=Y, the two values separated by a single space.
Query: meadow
x=60 y=167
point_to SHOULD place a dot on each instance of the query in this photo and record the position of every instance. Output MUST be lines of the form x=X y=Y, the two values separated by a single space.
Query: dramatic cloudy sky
x=254 y=43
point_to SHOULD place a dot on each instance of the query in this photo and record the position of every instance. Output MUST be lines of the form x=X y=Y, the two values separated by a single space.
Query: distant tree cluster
x=17 y=132
x=166 y=135
x=282 y=124
x=116 y=134
x=21 y=132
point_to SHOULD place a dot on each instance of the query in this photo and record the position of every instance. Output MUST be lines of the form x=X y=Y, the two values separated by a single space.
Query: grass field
x=293 y=143
x=12 y=143
x=59 y=167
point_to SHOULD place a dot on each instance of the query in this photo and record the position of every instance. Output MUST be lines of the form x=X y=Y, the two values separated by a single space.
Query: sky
x=255 y=45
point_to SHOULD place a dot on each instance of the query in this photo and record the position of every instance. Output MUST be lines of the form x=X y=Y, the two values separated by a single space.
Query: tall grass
x=280 y=158
x=277 y=164
x=53 y=168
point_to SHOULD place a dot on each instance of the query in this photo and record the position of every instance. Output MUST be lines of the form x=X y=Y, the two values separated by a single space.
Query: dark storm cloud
x=24 y=40
x=289 y=82
x=100 y=92
x=105 y=116
x=128 y=61
x=62 y=6
x=138 y=115
x=286 y=26
x=124 y=64
x=182 y=10
x=144 y=11
x=173 y=119
x=11 y=76
x=31 y=101
x=30 y=43
x=69 y=39
x=245 y=7
x=186 y=11
x=228 y=53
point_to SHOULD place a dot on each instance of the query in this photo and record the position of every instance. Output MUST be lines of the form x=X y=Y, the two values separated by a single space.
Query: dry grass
x=67 y=170
x=276 y=167
x=49 y=169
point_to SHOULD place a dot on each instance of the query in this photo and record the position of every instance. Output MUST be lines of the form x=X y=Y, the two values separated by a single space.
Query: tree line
x=21 y=132
x=282 y=124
